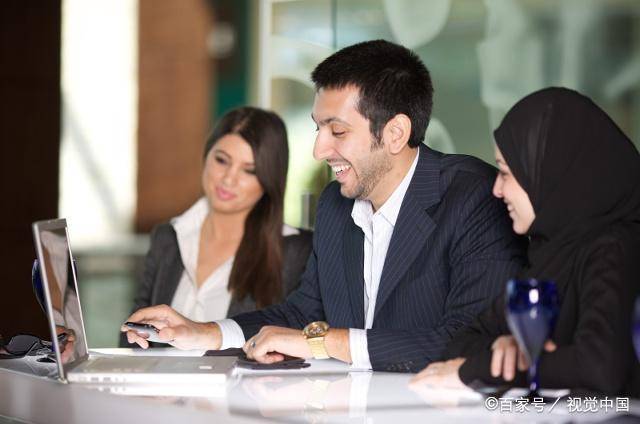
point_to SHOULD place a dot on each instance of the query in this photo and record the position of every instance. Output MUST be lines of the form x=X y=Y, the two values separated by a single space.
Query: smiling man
x=409 y=243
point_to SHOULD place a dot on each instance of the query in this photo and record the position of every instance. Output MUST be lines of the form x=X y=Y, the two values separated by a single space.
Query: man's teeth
x=340 y=169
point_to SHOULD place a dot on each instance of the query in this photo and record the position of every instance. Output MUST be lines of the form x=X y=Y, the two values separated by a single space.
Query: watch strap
x=318 y=349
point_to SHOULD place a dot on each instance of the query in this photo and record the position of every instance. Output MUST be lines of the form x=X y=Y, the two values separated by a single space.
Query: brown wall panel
x=174 y=92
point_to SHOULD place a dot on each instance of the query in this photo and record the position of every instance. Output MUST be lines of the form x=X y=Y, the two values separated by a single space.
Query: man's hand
x=440 y=375
x=272 y=343
x=176 y=329
x=507 y=356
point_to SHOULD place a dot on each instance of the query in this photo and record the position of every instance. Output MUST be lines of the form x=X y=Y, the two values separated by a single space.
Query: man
x=409 y=243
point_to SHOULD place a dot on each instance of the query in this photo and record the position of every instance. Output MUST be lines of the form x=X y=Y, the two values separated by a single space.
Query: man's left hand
x=272 y=343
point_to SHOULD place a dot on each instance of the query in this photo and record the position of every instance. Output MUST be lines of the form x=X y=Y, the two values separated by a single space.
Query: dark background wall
x=29 y=149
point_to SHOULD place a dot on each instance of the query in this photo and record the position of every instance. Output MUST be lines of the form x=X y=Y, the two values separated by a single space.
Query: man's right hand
x=174 y=328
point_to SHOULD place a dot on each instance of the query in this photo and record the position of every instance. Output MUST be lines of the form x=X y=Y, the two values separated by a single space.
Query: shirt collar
x=187 y=227
x=192 y=219
x=362 y=211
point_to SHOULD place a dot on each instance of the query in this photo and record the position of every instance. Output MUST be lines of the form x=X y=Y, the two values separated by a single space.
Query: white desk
x=325 y=392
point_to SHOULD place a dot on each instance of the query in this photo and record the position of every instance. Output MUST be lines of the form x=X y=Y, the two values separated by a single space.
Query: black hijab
x=579 y=169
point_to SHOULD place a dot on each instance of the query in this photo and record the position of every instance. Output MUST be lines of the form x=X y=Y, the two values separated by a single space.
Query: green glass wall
x=483 y=57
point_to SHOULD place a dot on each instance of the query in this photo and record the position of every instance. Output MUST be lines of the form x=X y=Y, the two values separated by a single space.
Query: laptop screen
x=58 y=276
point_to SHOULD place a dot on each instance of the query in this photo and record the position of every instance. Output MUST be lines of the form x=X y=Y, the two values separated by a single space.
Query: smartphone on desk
x=146 y=331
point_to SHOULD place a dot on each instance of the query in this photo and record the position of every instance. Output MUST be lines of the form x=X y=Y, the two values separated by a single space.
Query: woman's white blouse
x=211 y=301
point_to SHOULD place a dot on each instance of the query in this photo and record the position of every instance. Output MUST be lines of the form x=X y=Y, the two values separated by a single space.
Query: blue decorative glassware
x=36 y=283
x=636 y=328
x=531 y=312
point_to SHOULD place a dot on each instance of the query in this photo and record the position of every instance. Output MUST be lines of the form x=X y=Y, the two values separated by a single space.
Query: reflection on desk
x=328 y=391
x=37 y=365
x=321 y=395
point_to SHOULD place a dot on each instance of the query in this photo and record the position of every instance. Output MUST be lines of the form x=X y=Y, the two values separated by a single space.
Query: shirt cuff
x=359 y=349
x=232 y=335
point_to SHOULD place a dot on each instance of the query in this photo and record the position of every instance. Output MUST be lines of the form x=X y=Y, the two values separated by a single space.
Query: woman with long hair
x=230 y=252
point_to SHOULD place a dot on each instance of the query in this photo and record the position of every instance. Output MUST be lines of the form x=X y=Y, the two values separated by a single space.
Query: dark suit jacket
x=451 y=252
x=163 y=268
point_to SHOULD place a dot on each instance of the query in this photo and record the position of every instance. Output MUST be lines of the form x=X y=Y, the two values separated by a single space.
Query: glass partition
x=483 y=57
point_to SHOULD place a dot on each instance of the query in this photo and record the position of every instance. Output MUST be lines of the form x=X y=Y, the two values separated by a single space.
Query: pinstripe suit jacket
x=451 y=252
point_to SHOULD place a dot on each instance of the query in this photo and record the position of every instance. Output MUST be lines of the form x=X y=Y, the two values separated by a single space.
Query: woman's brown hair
x=257 y=267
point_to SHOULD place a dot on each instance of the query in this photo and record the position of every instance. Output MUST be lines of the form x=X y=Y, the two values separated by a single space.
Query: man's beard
x=370 y=172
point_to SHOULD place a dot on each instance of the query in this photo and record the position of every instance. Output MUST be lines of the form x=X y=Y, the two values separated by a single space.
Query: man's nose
x=323 y=147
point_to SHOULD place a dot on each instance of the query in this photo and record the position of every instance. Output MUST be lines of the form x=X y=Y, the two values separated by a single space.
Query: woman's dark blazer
x=593 y=329
x=163 y=269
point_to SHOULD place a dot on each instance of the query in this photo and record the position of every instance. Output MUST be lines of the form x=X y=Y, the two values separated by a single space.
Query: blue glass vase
x=531 y=312
x=36 y=282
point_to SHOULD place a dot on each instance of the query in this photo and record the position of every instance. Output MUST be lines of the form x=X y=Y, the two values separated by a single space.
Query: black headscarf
x=579 y=169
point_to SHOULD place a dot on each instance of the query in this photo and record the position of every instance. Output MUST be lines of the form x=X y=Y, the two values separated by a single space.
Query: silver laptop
x=75 y=363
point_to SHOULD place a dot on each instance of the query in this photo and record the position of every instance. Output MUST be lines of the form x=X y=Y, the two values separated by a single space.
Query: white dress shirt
x=211 y=300
x=378 y=228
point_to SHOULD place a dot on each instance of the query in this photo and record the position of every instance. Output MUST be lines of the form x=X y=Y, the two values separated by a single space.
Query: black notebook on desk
x=289 y=362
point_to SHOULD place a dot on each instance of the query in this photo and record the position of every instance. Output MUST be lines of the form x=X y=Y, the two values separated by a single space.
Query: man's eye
x=221 y=160
x=250 y=171
x=338 y=134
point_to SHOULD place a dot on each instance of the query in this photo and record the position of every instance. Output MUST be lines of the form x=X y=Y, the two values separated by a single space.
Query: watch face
x=316 y=329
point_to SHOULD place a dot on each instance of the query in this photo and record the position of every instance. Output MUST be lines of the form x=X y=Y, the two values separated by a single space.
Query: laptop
x=74 y=362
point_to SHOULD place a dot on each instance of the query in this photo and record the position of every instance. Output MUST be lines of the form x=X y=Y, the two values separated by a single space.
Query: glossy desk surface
x=328 y=391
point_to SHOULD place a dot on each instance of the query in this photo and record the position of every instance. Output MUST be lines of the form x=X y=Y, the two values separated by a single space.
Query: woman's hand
x=506 y=357
x=440 y=374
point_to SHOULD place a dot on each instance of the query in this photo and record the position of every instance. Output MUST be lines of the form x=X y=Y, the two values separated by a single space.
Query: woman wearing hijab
x=571 y=181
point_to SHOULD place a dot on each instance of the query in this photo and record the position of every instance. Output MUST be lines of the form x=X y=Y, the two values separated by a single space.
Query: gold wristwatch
x=314 y=333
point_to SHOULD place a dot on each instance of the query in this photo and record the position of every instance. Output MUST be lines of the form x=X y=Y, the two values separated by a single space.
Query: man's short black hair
x=391 y=79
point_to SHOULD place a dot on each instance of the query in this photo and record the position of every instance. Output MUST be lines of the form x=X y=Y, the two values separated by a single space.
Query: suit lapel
x=413 y=225
x=168 y=283
x=353 y=242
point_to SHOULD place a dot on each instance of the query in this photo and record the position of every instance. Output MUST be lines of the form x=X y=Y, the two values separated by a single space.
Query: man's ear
x=396 y=133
